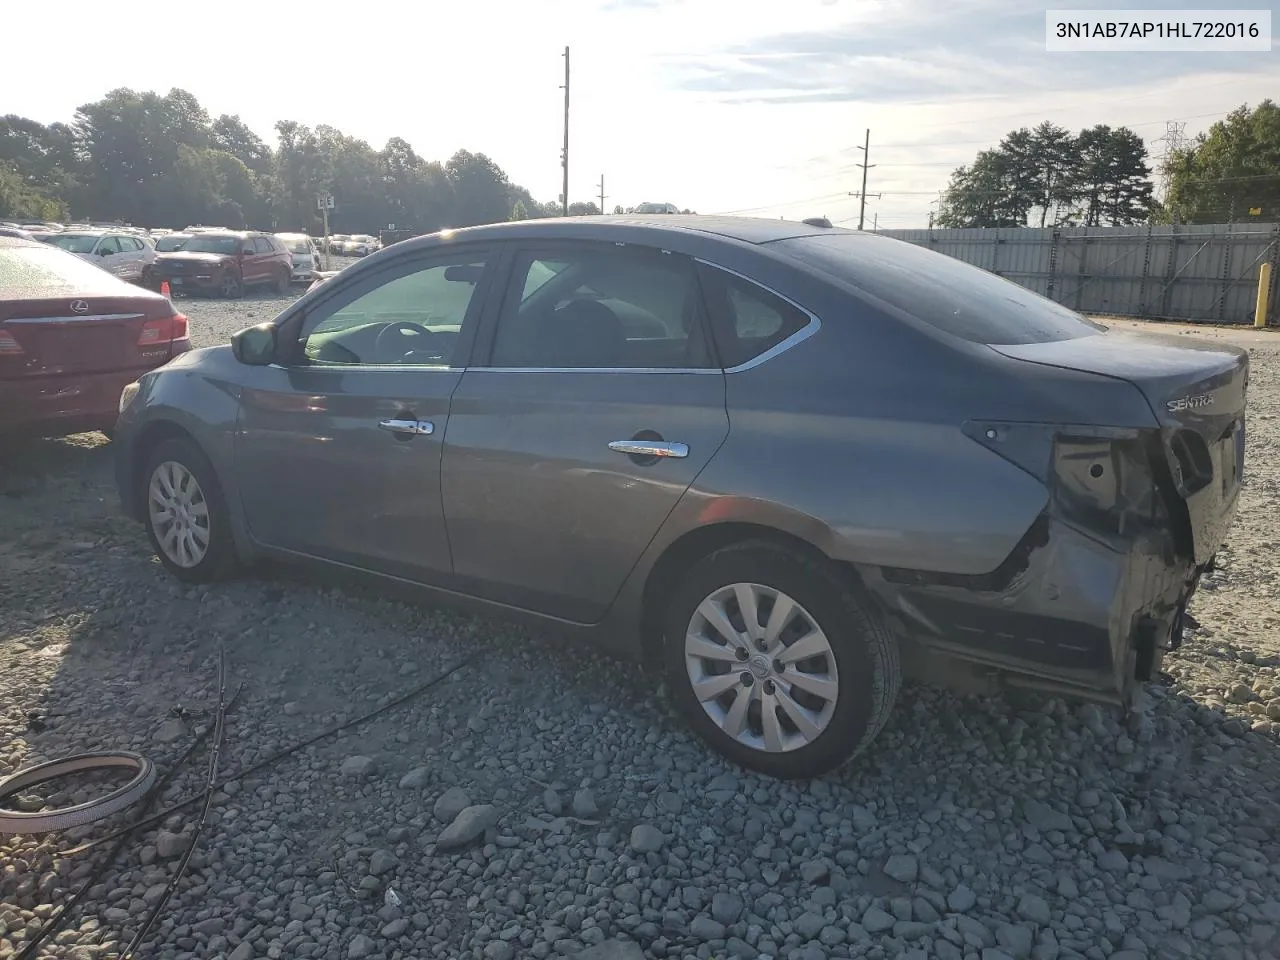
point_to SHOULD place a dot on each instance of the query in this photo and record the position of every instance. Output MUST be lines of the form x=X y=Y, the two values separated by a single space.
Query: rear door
x=598 y=404
x=110 y=255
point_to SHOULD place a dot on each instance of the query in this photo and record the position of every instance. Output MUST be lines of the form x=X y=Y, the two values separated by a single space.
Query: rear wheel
x=230 y=287
x=776 y=663
x=186 y=513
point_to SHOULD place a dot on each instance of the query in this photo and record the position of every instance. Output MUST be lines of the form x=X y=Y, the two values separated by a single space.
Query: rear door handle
x=411 y=428
x=650 y=448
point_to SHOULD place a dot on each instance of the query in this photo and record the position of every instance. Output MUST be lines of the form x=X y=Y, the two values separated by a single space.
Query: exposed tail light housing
x=9 y=347
x=166 y=330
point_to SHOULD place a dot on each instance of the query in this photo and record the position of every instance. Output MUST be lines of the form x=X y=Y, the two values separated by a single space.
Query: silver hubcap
x=761 y=667
x=179 y=513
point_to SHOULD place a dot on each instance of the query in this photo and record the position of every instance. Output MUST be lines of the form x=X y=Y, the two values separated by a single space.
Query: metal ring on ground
x=44 y=821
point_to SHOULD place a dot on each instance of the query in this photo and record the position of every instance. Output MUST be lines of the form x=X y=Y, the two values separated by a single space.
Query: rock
x=170 y=845
x=614 y=950
x=584 y=805
x=1216 y=901
x=1241 y=693
x=499 y=950
x=358 y=766
x=726 y=908
x=809 y=924
x=1113 y=861
x=382 y=861
x=1016 y=939
x=243 y=952
x=902 y=868
x=169 y=731
x=704 y=928
x=210 y=927
x=450 y=803
x=1044 y=818
x=962 y=899
x=415 y=779
x=360 y=946
x=300 y=910
x=814 y=871
x=553 y=802
x=646 y=838
x=876 y=920
x=1067 y=886
x=1034 y=908
x=470 y=824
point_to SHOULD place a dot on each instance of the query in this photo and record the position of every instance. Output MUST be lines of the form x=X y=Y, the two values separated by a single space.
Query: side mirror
x=255 y=346
x=104 y=253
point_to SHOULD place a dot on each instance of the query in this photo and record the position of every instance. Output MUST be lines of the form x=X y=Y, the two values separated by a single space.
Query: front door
x=598 y=404
x=338 y=448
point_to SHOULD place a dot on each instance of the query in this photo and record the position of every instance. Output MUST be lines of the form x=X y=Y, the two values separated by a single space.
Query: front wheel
x=776 y=663
x=186 y=513
x=283 y=281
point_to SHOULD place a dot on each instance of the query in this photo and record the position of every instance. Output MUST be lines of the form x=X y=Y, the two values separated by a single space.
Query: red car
x=71 y=336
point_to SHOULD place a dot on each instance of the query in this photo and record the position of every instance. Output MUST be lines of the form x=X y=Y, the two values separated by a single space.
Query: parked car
x=226 y=263
x=169 y=242
x=305 y=254
x=360 y=245
x=128 y=257
x=787 y=461
x=71 y=337
x=15 y=232
x=336 y=242
x=657 y=208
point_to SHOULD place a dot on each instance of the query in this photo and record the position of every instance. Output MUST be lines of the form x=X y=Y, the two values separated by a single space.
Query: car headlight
x=127 y=395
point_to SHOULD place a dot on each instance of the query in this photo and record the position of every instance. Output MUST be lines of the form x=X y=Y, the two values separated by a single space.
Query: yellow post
x=1264 y=293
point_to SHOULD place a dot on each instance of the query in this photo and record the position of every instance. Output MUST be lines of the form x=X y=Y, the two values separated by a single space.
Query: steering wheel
x=382 y=345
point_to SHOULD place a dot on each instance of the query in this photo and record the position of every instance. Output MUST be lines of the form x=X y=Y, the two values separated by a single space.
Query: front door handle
x=650 y=448
x=411 y=428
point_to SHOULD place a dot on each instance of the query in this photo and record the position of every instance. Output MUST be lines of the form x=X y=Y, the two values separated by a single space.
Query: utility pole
x=325 y=202
x=602 y=193
x=875 y=221
x=564 y=156
x=866 y=155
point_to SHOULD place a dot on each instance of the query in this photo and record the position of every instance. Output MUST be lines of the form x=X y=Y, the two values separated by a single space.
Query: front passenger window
x=414 y=319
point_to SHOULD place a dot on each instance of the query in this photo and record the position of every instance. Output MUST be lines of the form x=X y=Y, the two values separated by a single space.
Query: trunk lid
x=1196 y=391
x=94 y=334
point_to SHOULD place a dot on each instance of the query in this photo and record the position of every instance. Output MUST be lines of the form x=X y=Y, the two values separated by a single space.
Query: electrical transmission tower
x=1174 y=140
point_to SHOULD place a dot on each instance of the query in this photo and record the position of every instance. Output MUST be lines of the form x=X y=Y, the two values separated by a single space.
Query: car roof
x=752 y=230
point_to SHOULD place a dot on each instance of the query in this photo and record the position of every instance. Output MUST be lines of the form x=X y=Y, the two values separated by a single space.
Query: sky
x=722 y=106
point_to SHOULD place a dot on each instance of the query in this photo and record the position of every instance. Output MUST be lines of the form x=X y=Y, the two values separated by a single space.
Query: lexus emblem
x=79 y=306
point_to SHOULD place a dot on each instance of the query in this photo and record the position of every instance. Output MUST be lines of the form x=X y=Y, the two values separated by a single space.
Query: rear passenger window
x=263 y=245
x=749 y=319
x=601 y=306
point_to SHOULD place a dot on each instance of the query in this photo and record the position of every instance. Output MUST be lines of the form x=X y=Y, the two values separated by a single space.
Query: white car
x=360 y=245
x=305 y=253
x=128 y=257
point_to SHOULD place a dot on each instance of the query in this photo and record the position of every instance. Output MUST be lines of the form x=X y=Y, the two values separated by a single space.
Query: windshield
x=170 y=243
x=207 y=243
x=36 y=271
x=958 y=298
x=298 y=246
x=76 y=243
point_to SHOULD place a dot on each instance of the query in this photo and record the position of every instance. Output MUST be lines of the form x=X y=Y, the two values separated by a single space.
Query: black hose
x=279 y=755
x=219 y=725
x=52 y=925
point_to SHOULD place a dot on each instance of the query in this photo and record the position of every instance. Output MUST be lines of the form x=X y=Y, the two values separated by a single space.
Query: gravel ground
x=974 y=828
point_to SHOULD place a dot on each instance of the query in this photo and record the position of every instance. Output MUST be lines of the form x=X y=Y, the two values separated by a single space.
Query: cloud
x=922 y=50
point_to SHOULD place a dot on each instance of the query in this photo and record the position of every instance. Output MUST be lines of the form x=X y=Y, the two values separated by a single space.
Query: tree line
x=1047 y=176
x=153 y=160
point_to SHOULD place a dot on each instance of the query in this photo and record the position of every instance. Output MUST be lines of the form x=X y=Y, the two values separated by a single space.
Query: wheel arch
x=149 y=437
x=700 y=542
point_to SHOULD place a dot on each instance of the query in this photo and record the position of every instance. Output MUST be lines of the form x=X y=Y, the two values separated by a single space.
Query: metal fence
x=1205 y=272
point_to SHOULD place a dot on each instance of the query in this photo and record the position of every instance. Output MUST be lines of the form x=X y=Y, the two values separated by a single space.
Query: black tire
x=230 y=287
x=219 y=560
x=865 y=653
x=284 y=281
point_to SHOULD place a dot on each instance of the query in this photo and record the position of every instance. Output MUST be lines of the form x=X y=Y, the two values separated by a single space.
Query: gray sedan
x=784 y=461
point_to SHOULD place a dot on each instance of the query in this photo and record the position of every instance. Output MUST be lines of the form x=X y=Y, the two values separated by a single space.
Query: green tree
x=1230 y=171
x=1111 y=182
x=481 y=189
x=519 y=211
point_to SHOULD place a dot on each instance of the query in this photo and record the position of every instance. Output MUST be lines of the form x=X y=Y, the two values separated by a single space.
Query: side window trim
x=509 y=295
x=306 y=319
x=782 y=346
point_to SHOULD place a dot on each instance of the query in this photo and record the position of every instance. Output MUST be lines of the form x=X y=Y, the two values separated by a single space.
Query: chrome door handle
x=412 y=428
x=650 y=448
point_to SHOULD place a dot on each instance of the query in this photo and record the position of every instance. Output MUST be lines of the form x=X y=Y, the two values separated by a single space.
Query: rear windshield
x=36 y=271
x=204 y=243
x=956 y=297
x=171 y=242
x=298 y=246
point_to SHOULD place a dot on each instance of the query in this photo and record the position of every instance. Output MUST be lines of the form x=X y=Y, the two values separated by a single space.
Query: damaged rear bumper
x=1068 y=613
